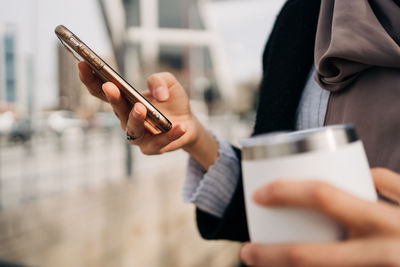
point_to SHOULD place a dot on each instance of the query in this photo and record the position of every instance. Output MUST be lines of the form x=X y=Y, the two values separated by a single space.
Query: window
x=179 y=14
x=172 y=57
x=132 y=13
x=9 y=58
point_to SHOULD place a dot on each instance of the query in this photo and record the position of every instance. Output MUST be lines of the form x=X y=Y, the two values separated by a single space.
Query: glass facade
x=180 y=14
x=133 y=71
x=132 y=13
x=9 y=58
x=202 y=71
x=172 y=56
x=190 y=63
x=193 y=67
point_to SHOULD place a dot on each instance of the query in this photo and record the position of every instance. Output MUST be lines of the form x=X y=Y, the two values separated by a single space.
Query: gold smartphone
x=155 y=121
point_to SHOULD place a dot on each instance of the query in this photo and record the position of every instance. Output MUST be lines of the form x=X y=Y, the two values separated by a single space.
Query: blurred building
x=176 y=36
x=72 y=93
x=211 y=46
x=146 y=35
x=35 y=75
x=12 y=90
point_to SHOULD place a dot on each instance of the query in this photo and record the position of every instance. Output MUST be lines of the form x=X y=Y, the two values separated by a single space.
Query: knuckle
x=84 y=78
x=378 y=171
x=157 y=145
x=117 y=114
x=319 y=193
x=161 y=76
x=145 y=150
x=396 y=220
x=168 y=75
x=254 y=256
x=390 y=254
x=394 y=259
x=123 y=125
x=148 y=150
x=132 y=142
x=296 y=257
x=153 y=77
x=391 y=224
x=92 y=91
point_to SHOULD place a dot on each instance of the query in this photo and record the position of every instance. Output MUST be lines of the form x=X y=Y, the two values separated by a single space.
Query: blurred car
x=6 y=122
x=61 y=120
x=21 y=131
x=13 y=129
x=106 y=120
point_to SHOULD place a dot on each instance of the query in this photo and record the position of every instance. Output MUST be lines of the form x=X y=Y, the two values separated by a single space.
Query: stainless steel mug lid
x=288 y=143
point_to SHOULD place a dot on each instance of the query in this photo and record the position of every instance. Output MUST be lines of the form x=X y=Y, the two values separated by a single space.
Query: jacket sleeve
x=233 y=225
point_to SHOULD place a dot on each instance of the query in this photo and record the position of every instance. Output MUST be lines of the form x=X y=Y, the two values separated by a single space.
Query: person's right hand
x=373 y=228
x=170 y=98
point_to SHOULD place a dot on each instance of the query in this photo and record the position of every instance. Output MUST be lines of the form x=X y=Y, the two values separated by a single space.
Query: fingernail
x=261 y=195
x=245 y=254
x=136 y=112
x=106 y=93
x=161 y=93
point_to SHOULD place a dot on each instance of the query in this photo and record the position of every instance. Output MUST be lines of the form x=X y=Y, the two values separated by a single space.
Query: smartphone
x=155 y=121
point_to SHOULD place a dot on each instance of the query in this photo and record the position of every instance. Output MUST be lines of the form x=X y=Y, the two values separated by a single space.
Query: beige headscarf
x=357 y=58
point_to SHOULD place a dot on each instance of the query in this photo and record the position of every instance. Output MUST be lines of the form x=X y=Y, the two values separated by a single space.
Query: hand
x=373 y=228
x=170 y=98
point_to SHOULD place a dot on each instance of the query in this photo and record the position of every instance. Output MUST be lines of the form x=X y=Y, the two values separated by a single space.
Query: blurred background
x=73 y=192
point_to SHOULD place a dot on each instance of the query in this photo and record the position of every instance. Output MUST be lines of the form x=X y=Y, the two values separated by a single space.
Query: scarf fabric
x=357 y=58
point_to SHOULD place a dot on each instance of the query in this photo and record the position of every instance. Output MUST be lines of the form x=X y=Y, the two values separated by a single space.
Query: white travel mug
x=330 y=154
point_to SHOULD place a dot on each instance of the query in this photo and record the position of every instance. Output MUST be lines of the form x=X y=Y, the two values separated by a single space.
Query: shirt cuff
x=212 y=191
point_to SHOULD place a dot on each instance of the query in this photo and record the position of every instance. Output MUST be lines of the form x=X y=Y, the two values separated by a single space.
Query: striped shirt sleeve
x=212 y=191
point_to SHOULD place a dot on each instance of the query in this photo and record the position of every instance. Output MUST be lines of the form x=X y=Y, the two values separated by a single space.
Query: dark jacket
x=287 y=60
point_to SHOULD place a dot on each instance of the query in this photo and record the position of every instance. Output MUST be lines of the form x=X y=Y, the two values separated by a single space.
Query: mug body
x=329 y=154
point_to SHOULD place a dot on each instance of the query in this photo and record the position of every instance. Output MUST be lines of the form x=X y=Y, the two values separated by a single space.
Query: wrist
x=204 y=147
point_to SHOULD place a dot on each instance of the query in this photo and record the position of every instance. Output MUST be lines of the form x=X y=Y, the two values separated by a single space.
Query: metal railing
x=48 y=164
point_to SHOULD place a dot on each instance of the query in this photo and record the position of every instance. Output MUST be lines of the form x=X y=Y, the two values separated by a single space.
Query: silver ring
x=130 y=137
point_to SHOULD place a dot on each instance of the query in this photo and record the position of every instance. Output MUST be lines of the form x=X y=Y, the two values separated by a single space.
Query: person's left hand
x=373 y=229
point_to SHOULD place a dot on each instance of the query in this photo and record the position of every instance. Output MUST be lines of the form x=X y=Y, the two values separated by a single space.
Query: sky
x=244 y=26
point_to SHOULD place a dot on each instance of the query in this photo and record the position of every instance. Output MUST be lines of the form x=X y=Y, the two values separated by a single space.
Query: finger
x=156 y=144
x=91 y=81
x=337 y=204
x=387 y=183
x=380 y=252
x=159 y=84
x=147 y=94
x=135 y=126
x=118 y=103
